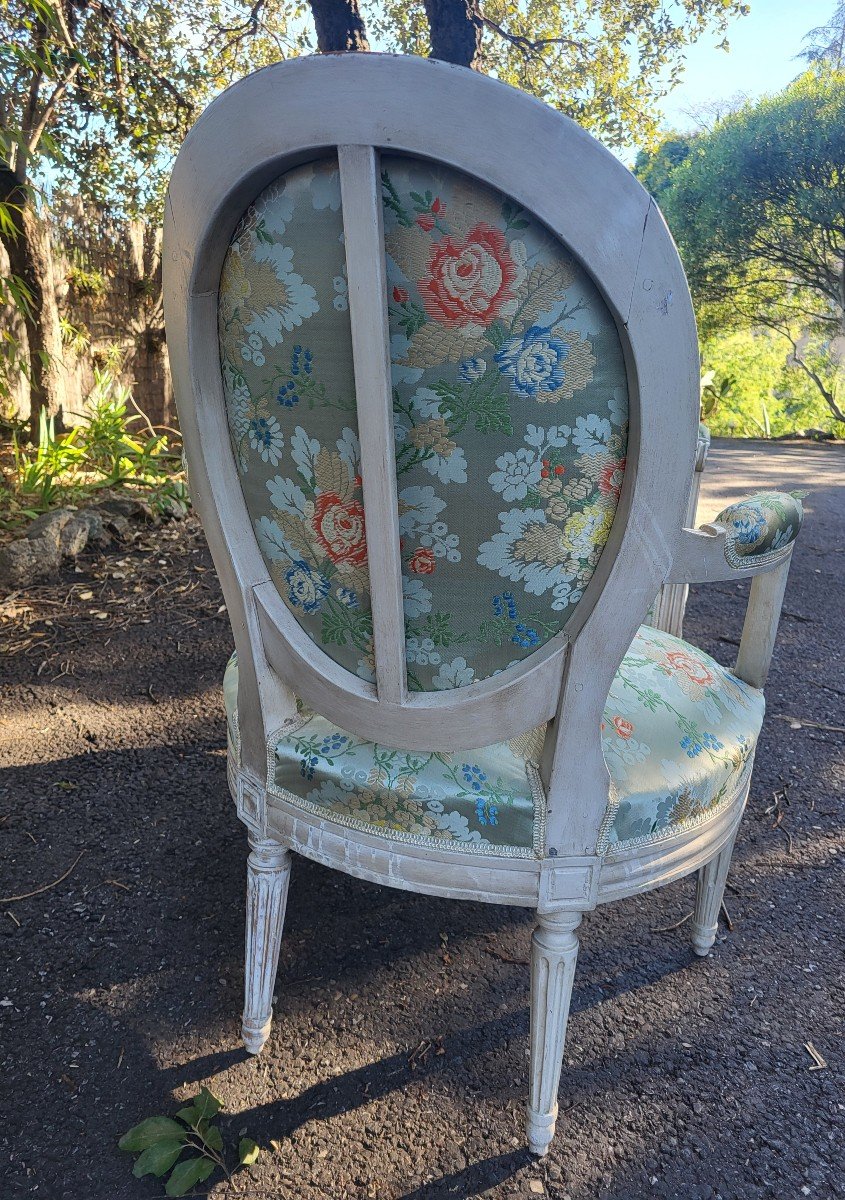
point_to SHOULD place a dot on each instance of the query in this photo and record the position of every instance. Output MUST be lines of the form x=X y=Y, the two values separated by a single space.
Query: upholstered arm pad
x=761 y=527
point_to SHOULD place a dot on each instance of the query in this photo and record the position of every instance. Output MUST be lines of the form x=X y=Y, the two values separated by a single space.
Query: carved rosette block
x=709 y=892
x=268 y=876
x=554 y=950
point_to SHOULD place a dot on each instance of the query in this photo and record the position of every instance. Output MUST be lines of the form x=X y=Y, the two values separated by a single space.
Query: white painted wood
x=671 y=603
x=700 y=558
x=664 y=417
x=363 y=229
x=289 y=114
x=268 y=876
x=457 y=720
x=760 y=627
x=554 y=950
x=710 y=890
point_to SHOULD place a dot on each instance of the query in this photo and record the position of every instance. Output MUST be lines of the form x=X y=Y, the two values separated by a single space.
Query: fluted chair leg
x=554 y=949
x=268 y=876
x=709 y=892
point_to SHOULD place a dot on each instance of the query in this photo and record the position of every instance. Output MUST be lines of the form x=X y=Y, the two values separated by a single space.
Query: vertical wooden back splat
x=364 y=239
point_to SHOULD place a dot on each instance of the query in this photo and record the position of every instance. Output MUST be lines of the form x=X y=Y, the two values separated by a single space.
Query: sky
x=761 y=59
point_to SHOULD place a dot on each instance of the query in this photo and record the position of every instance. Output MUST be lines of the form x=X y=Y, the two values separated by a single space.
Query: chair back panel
x=510 y=413
x=286 y=358
x=487 y=301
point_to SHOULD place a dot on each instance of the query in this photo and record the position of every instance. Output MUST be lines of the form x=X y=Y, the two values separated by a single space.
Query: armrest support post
x=761 y=623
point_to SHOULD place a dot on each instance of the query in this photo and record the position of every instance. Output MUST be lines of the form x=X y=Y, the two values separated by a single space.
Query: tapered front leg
x=709 y=892
x=554 y=949
x=268 y=875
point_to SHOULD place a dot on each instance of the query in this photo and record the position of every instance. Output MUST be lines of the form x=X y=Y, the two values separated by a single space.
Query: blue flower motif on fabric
x=485 y=812
x=712 y=742
x=301 y=361
x=332 y=743
x=347 y=597
x=508 y=601
x=525 y=637
x=692 y=746
x=474 y=776
x=287 y=395
x=748 y=529
x=307 y=764
x=472 y=369
x=534 y=361
x=306 y=587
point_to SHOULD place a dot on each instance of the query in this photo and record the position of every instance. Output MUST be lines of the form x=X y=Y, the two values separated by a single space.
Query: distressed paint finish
x=598 y=210
x=554 y=950
x=268 y=876
x=710 y=890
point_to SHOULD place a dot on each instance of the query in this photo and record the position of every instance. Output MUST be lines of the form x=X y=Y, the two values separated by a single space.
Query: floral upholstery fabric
x=286 y=354
x=510 y=415
x=510 y=412
x=762 y=525
x=678 y=736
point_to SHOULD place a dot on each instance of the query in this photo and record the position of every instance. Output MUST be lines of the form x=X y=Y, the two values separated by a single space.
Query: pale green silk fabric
x=678 y=735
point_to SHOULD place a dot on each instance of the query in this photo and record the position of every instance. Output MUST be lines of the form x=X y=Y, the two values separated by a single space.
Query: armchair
x=439 y=402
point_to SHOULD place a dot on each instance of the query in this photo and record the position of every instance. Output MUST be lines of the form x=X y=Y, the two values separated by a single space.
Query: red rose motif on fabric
x=426 y=221
x=340 y=528
x=422 y=561
x=623 y=728
x=680 y=661
x=469 y=281
x=610 y=480
x=400 y=295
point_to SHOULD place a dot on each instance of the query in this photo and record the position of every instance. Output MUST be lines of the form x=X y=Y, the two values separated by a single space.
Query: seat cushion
x=678 y=736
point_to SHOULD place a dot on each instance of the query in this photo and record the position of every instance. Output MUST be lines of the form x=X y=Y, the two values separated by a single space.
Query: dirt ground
x=397 y=1065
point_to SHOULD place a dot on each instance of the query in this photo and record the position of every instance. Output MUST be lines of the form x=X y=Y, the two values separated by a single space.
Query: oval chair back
x=437 y=374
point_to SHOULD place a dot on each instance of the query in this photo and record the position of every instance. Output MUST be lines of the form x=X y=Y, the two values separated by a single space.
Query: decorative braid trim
x=742 y=562
x=398 y=835
x=652 y=839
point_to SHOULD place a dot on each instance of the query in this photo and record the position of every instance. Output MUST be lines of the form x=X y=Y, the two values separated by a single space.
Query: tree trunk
x=150 y=366
x=456 y=29
x=339 y=26
x=31 y=259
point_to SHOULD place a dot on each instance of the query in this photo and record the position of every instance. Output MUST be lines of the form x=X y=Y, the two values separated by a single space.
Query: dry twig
x=46 y=887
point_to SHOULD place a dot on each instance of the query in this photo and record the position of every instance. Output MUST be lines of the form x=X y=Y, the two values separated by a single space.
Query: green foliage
x=160 y=1142
x=751 y=390
x=757 y=207
x=104 y=452
x=606 y=63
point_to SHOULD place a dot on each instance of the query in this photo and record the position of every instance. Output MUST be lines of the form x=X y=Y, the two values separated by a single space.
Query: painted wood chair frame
x=670 y=606
x=360 y=104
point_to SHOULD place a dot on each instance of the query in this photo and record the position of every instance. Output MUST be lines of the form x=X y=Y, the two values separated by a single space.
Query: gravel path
x=397 y=1065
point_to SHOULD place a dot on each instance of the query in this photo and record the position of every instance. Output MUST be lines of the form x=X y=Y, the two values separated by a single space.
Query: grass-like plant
x=112 y=449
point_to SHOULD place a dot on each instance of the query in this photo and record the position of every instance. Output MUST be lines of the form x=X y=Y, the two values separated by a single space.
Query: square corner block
x=569 y=883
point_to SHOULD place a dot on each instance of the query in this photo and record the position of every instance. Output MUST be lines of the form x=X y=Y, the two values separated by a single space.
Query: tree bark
x=31 y=259
x=456 y=29
x=339 y=26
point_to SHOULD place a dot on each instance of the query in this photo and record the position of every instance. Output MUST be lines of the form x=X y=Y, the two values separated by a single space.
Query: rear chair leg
x=268 y=875
x=554 y=949
x=708 y=899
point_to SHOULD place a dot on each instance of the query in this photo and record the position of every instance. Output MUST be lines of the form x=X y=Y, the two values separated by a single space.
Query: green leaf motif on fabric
x=678 y=735
x=509 y=405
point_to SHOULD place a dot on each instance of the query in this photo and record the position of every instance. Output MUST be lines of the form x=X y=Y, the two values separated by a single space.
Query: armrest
x=760 y=528
x=746 y=538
